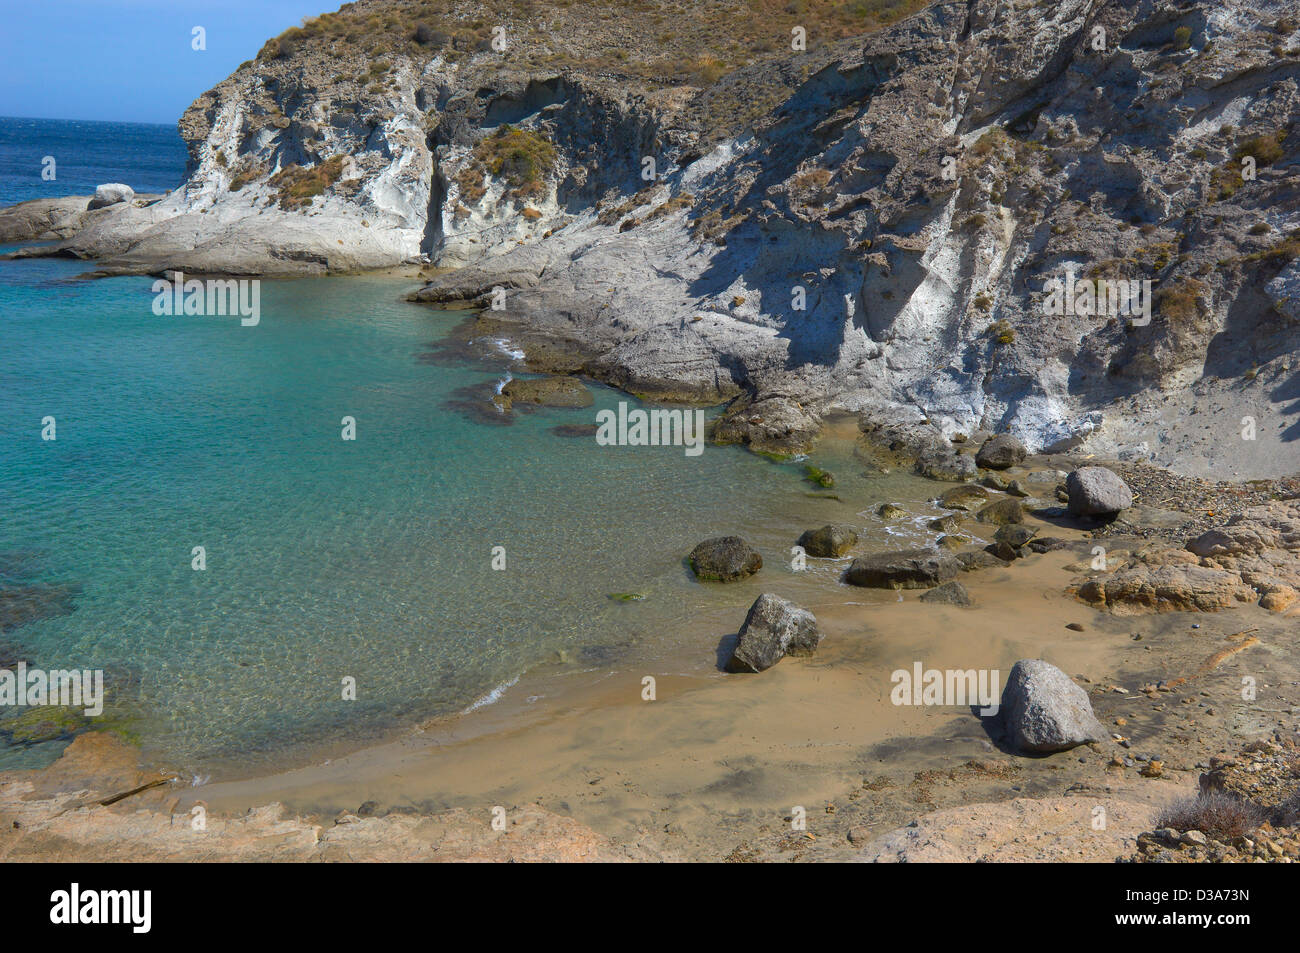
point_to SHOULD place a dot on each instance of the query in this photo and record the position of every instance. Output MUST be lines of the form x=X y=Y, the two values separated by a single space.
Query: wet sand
x=716 y=764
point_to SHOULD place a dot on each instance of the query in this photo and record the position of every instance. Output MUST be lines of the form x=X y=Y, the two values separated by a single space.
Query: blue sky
x=129 y=60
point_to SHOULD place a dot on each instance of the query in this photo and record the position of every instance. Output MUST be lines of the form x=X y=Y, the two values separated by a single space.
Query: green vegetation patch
x=1181 y=301
x=299 y=185
x=1265 y=149
x=522 y=159
x=818 y=476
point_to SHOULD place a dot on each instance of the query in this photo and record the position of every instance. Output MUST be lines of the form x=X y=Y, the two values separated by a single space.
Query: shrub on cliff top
x=426 y=35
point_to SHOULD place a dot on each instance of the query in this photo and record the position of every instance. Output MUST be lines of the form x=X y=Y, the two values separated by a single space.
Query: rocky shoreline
x=819 y=255
x=1016 y=801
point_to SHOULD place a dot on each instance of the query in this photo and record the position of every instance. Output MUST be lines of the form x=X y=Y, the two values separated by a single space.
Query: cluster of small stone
x=1209 y=504
x=1266 y=774
x=1263 y=846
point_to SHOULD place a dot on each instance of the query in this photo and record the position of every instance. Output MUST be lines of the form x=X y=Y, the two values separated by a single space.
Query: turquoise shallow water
x=325 y=558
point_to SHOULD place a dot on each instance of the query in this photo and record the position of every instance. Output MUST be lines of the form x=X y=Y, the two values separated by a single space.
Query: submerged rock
x=1000 y=452
x=945 y=524
x=829 y=541
x=558 y=391
x=904 y=569
x=818 y=476
x=1002 y=512
x=773 y=629
x=1043 y=710
x=1097 y=491
x=574 y=430
x=725 y=559
x=968 y=497
x=1048 y=544
x=24 y=604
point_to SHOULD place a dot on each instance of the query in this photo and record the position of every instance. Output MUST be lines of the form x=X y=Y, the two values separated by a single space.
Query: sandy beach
x=720 y=766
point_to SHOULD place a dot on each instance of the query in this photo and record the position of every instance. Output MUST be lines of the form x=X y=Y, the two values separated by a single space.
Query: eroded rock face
x=1172 y=588
x=1043 y=710
x=725 y=559
x=924 y=302
x=904 y=569
x=1097 y=491
x=1256 y=532
x=773 y=629
x=829 y=541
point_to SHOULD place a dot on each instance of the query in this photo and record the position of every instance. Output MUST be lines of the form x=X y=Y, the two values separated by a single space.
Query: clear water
x=329 y=559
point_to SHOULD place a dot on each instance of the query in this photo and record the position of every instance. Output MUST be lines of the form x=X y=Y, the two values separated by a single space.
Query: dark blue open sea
x=148 y=158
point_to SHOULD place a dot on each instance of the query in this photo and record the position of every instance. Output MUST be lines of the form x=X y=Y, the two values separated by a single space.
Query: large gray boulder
x=1000 y=452
x=725 y=559
x=111 y=194
x=774 y=628
x=1097 y=491
x=903 y=569
x=944 y=463
x=829 y=541
x=1044 y=711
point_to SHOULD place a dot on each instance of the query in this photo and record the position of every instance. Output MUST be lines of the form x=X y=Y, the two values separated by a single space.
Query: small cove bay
x=328 y=560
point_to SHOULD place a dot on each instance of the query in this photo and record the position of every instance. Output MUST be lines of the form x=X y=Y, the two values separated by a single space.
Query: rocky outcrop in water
x=724 y=559
x=903 y=569
x=829 y=541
